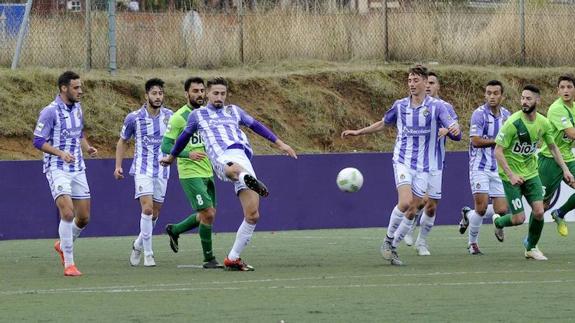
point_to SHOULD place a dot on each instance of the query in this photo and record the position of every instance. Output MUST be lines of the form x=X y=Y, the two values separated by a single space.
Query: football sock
x=205 y=232
x=535 y=228
x=241 y=177
x=401 y=231
x=189 y=223
x=146 y=233
x=243 y=237
x=568 y=206
x=475 y=221
x=66 y=242
x=489 y=211
x=394 y=221
x=504 y=221
x=154 y=221
x=426 y=224
x=76 y=230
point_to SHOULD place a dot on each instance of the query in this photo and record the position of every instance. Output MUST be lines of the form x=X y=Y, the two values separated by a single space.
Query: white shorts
x=434 y=184
x=486 y=182
x=68 y=183
x=155 y=186
x=407 y=176
x=236 y=156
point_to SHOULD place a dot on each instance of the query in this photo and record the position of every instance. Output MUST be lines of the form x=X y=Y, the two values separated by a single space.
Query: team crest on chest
x=166 y=119
x=425 y=112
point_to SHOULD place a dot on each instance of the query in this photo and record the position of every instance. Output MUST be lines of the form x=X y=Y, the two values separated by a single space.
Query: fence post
x=21 y=34
x=522 y=31
x=385 y=34
x=88 y=31
x=112 y=36
x=241 y=21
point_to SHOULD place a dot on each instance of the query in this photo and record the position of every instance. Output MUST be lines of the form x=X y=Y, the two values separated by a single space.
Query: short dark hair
x=532 y=88
x=419 y=70
x=66 y=77
x=430 y=73
x=566 y=77
x=153 y=82
x=194 y=79
x=217 y=81
x=495 y=83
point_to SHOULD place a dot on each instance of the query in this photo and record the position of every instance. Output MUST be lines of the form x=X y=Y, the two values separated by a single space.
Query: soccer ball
x=349 y=179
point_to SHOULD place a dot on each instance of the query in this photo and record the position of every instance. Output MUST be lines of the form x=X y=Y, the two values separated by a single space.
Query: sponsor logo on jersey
x=524 y=148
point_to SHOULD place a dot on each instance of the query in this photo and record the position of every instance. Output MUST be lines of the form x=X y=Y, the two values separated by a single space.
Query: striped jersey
x=486 y=125
x=440 y=147
x=417 y=132
x=61 y=127
x=148 y=132
x=220 y=128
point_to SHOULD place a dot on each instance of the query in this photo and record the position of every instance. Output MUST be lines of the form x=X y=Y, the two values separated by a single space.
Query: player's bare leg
x=250 y=201
x=65 y=246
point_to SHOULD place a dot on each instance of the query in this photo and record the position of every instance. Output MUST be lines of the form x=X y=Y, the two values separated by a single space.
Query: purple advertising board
x=303 y=195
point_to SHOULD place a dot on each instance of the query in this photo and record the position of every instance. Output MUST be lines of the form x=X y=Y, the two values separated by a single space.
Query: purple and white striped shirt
x=441 y=142
x=417 y=132
x=148 y=132
x=485 y=125
x=62 y=128
x=220 y=128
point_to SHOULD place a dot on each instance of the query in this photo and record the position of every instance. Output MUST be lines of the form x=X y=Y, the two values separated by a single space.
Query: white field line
x=189 y=287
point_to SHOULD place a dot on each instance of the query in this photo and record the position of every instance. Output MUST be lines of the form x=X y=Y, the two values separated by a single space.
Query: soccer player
x=560 y=115
x=516 y=145
x=426 y=211
x=418 y=119
x=485 y=182
x=196 y=175
x=147 y=126
x=59 y=134
x=230 y=152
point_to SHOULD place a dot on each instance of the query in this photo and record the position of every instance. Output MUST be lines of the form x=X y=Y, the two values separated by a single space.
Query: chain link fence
x=166 y=33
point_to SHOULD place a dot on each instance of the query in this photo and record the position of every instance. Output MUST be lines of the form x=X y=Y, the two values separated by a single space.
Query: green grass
x=301 y=276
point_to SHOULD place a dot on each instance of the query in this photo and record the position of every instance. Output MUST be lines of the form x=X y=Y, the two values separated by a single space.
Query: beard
x=154 y=104
x=196 y=103
x=528 y=109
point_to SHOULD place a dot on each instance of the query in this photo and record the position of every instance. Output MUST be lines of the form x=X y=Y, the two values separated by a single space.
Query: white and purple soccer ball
x=349 y=179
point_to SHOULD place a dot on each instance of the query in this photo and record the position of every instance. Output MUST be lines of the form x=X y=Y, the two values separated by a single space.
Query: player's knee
x=481 y=210
x=252 y=216
x=208 y=215
x=430 y=209
x=82 y=221
x=518 y=218
x=148 y=210
x=538 y=214
x=67 y=215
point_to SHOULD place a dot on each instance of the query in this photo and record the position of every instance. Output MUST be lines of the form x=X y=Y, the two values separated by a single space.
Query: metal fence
x=227 y=33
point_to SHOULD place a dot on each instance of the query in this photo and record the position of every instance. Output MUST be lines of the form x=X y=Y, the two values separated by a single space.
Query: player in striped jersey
x=426 y=212
x=230 y=152
x=147 y=126
x=418 y=119
x=485 y=182
x=59 y=134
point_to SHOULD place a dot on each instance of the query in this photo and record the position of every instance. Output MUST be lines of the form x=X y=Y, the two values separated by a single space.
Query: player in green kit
x=516 y=145
x=560 y=115
x=196 y=175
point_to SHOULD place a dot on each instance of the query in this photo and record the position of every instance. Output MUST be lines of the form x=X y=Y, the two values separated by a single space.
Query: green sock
x=535 y=229
x=568 y=206
x=205 y=232
x=188 y=224
x=504 y=221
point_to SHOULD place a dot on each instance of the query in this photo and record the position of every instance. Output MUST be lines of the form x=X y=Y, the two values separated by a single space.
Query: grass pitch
x=301 y=276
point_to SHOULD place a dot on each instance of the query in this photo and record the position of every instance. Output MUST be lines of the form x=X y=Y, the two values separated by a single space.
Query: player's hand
x=286 y=149
x=67 y=157
x=516 y=180
x=352 y=133
x=442 y=132
x=454 y=129
x=119 y=173
x=569 y=179
x=167 y=160
x=197 y=155
x=92 y=151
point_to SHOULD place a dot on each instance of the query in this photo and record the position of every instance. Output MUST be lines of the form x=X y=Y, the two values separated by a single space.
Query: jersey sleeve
x=45 y=124
x=477 y=125
x=175 y=127
x=547 y=136
x=245 y=118
x=129 y=127
x=444 y=116
x=560 y=118
x=390 y=117
x=506 y=134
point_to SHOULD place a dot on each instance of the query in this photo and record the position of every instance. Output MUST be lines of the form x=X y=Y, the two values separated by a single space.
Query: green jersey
x=188 y=168
x=519 y=138
x=560 y=117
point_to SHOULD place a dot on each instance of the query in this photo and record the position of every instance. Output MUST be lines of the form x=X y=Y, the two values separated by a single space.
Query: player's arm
x=502 y=162
x=93 y=152
x=389 y=119
x=182 y=141
x=42 y=145
x=561 y=119
x=570 y=133
x=479 y=142
x=175 y=128
x=454 y=133
x=43 y=132
x=449 y=122
x=567 y=176
x=476 y=129
x=127 y=132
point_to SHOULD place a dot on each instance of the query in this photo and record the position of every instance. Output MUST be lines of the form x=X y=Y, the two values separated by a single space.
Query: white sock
x=489 y=212
x=241 y=178
x=154 y=223
x=417 y=216
x=394 y=220
x=138 y=242
x=76 y=230
x=146 y=227
x=401 y=231
x=243 y=237
x=475 y=222
x=426 y=224
x=66 y=242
